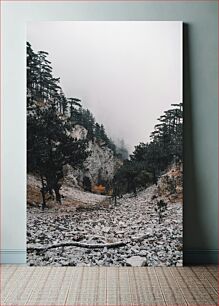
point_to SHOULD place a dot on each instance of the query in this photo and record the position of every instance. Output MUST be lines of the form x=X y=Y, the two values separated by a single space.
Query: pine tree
x=50 y=147
x=149 y=160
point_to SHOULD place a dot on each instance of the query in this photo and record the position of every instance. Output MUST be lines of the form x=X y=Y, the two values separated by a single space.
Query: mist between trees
x=51 y=116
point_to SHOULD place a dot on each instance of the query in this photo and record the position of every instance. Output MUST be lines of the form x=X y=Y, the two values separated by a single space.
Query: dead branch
x=77 y=244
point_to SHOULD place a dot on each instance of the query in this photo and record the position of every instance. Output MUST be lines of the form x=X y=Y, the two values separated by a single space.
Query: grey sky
x=126 y=73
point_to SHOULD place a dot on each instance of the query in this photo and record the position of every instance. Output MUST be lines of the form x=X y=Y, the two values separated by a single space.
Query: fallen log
x=77 y=244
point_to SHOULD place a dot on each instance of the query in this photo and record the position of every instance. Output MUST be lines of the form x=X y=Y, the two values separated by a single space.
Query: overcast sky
x=126 y=73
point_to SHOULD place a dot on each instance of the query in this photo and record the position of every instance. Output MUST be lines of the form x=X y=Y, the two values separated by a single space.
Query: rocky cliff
x=99 y=167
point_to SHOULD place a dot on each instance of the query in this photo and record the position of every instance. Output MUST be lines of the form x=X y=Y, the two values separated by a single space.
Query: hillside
x=148 y=237
x=94 y=219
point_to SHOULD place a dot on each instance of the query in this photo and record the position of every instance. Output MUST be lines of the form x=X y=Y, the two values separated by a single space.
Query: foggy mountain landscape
x=98 y=191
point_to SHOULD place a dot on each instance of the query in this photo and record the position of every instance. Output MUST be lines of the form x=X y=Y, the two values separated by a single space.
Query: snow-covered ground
x=133 y=221
x=72 y=197
x=84 y=197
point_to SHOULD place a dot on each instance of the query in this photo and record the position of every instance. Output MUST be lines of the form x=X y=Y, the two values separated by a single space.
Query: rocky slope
x=94 y=219
x=72 y=198
x=170 y=184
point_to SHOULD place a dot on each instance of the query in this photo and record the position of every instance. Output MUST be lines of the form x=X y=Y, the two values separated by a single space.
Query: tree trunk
x=58 y=196
x=115 y=199
x=134 y=189
x=43 y=193
x=154 y=177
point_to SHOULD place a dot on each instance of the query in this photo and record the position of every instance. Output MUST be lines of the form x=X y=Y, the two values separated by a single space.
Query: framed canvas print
x=104 y=143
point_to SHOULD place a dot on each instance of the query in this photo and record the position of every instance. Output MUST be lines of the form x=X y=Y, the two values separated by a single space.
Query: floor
x=22 y=285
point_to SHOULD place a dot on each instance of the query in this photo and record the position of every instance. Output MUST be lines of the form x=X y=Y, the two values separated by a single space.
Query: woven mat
x=124 y=286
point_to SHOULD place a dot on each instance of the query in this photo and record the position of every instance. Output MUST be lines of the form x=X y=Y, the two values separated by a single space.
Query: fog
x=126 y=73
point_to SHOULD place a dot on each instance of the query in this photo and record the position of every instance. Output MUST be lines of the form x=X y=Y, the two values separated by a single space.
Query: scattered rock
x=106 y=229
x=136 y=261
x=131 y=219
x=143 y=253
x=179 y=263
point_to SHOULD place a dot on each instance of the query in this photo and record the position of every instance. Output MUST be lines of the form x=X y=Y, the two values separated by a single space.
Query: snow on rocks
x=133 y=221
x=136 y=261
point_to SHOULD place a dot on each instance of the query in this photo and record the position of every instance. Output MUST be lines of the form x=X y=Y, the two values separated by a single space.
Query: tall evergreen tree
x=49 y=144
x=50 y=147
